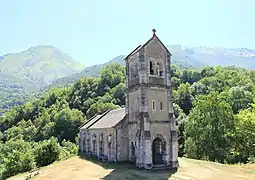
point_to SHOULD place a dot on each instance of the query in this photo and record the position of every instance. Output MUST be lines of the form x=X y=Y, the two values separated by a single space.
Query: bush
x=69 y=146
x=18 y=158
x=68 y=149
x=47 y=152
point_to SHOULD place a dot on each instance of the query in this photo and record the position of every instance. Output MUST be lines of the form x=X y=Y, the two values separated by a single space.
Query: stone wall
x=158 y=95
x=122 y=141
x=89 y=135
x=148 y=79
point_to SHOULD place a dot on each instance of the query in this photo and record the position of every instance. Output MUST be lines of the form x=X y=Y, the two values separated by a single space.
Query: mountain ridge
x=184 y=57
x=29 y=70
x=41 y=64
x=44 y=67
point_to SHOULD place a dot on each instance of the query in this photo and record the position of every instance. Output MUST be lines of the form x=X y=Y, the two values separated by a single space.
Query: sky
x=95 y=31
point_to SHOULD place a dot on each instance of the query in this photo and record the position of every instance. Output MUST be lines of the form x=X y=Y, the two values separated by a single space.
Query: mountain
x=45 y=67
x=91 y=71
x=214 y=56
x=39 y=65
x=29 y=70
x=184 y=57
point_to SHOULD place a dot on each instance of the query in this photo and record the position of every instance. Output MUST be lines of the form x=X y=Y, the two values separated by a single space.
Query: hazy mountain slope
x=27 y=71
x=194 y=57
x=240 y=57
x=182 y=58
x=11 y=91
x=40 y=64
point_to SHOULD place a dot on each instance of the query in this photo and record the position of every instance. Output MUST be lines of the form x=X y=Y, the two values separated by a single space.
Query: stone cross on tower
x=154 y=31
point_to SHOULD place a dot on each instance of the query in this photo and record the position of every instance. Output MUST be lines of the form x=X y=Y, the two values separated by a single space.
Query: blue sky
x=95 y=31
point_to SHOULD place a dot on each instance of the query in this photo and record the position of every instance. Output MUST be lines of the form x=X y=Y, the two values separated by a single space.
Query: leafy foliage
x=208 y=127
x=46 y=152
x=46 y=127
x=17 y=157
x=214 y=109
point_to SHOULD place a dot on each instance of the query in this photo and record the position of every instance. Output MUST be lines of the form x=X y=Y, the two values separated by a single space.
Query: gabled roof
x=91 y=121
x=142 y=46
x=109 y=119
x=87 y=121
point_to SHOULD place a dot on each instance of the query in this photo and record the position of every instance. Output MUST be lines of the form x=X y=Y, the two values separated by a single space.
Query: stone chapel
x=144 y=132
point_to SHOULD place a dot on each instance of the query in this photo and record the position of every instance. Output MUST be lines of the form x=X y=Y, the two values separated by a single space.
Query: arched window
x=101 y=145
x=159 y=69
x=151 y=68
x=88 y=144
x=109 y=140
x=94 y=145
x=84 y=145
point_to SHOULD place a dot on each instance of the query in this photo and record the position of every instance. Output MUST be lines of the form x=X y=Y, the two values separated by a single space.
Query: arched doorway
x=158 y=150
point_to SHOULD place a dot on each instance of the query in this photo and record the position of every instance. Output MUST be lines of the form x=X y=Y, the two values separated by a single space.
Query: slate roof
x=91 y=121
x=109 y=119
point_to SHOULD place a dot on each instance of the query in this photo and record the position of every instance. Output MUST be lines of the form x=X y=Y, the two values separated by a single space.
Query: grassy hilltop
x=78 y=168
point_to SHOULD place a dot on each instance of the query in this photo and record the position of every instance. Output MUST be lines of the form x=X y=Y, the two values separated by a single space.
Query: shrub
x=47 y=152
x=18 y=158
x=68 y=149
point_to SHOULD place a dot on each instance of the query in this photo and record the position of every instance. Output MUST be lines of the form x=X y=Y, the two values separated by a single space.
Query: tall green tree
x=67 y=124
x=209 y=127
x=183 y=97
x=244 y=137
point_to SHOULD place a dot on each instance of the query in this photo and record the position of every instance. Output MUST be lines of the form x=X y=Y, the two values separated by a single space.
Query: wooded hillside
x=214 y=108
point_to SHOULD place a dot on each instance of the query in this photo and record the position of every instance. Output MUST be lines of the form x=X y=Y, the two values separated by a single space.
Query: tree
x=46 y=152
x=118 y=93
x=183 y=97
x=175 y=71
x=18 y=158
x=45 y=124
x=99 y=108
x=209 y=127
x=244 y=137
x=14 y=133
x=82 y=90
x=175 y=82
x=28 y=130
x=67 y=124
x=190 y=76
x=180 y=117
x=208 y=71
x=112 y=75
x=241 y=98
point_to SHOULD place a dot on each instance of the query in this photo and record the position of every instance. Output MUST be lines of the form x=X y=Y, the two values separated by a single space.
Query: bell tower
x=149 y=106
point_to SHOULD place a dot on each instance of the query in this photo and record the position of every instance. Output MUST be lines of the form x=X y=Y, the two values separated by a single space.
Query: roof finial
x=154 y=31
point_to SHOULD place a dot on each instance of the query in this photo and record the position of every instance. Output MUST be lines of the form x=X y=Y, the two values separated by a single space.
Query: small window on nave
x=161 y=106
x=153 y=105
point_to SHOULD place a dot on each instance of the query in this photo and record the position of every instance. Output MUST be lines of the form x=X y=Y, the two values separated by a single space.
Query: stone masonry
x=144 y=132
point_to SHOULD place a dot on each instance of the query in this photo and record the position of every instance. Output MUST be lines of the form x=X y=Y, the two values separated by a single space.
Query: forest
x=214 y=108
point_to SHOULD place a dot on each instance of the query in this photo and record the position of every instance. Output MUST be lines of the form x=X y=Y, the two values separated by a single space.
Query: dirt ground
x=79 y=168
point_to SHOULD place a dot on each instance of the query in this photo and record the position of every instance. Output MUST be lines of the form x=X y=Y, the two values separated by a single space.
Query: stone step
x=161 y=167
